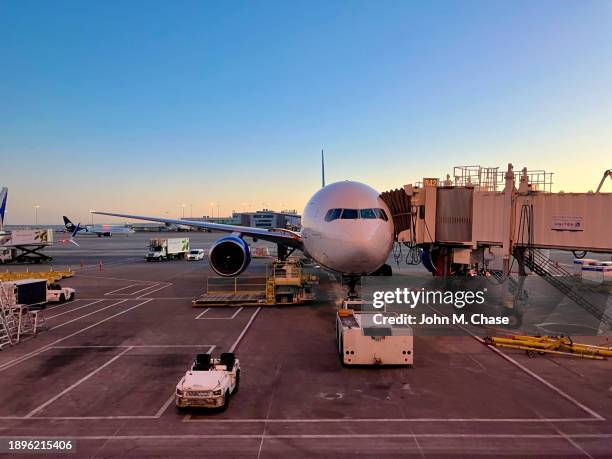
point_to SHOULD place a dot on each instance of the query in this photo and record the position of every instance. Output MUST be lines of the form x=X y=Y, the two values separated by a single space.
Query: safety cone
x=100 y=268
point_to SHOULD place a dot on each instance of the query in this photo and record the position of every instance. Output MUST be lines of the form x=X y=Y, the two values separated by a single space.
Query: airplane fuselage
x=347 y=228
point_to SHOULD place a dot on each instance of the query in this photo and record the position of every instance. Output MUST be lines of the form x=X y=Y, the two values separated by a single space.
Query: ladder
x=562 y=280
x=9 y=323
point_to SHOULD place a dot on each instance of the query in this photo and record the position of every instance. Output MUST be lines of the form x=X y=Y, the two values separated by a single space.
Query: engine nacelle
x=229 y=256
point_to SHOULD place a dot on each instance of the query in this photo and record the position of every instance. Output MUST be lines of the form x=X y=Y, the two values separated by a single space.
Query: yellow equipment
x=50 y=276
x=561 y=345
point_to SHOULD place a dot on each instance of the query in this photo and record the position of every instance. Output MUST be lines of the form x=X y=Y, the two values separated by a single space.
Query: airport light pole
x=212 y=210
x=190 y=210
x=183 y=206
x=36 y=207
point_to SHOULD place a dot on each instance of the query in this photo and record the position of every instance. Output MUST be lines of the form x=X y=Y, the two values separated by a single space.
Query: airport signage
x=567 y=223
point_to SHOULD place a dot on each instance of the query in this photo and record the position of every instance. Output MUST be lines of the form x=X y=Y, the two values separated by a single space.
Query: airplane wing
x=278 y=236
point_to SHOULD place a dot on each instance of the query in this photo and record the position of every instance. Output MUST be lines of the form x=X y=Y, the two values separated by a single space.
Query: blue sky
x=143 y=106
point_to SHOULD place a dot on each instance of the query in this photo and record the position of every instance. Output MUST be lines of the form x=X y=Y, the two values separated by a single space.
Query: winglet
x=322 y=170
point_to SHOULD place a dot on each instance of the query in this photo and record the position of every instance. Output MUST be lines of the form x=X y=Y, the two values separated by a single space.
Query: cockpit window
x=353 y=214
x=332 y=214
x=367 y=213
x=380 y=213
x=350 y=214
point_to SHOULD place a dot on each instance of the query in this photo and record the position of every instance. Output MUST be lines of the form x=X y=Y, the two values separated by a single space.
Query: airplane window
x=350 y=214
x=367 y=213
x=332 y=214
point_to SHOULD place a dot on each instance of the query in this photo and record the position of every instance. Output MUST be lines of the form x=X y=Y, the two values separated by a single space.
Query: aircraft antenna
x=322 y=170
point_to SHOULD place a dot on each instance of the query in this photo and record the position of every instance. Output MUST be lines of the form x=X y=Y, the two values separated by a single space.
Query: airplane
x=346 y=228
x=98 y=230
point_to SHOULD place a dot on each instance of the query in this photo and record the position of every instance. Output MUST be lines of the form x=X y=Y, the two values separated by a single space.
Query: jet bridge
x=473 y=211
x=455 y=223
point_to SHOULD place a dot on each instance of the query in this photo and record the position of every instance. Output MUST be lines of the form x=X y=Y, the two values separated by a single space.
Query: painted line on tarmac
x=86 y=315
x=42 y=349
x=233 y=316
x=388 y=420
x=314 y=436
x=76 y=384
x=73 y=301
x=119 y=289
x=136 y=346
x=167 y=284
x=116 y=278
x=113 y=292
x=73 y=309
x=105 y=265
x=164 y=407
x=527 y=371
x=244 y=330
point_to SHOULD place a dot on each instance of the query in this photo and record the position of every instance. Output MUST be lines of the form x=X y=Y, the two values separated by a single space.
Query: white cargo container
x=27 y=237
x=161 y=249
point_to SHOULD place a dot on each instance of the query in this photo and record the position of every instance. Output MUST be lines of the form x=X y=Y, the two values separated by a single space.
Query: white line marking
x=168 y=284
x=73 y=301
x=233 y=316
x=573 y=443
x=112 y=346
x=202 y=313
x=316 y=436
x=392 y=420
x=527 y=371
x=299 y=421
x=115 y=278
x=244 y=330
x=42 y=349
x=70 y=310
x=80 y=381
x=146 y=288
x=164 y=406
x=86 y=315
x=119 y=289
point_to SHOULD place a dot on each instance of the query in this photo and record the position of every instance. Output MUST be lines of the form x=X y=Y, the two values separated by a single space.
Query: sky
x=144 y=106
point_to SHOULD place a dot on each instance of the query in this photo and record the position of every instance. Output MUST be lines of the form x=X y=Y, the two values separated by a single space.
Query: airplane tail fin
x=3 y=197
x=68 y=224
x=322 y=170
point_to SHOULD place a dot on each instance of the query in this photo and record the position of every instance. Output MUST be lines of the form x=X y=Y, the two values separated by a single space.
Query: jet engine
x=229 y=256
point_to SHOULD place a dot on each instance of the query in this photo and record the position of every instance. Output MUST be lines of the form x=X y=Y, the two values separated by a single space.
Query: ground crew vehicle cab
x=209 y=383
x=58 y=294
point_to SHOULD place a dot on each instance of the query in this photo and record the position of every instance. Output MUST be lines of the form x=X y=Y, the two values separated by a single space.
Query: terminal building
x=264 y=218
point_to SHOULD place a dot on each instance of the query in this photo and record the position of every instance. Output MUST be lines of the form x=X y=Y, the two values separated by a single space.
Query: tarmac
x=104 y=371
